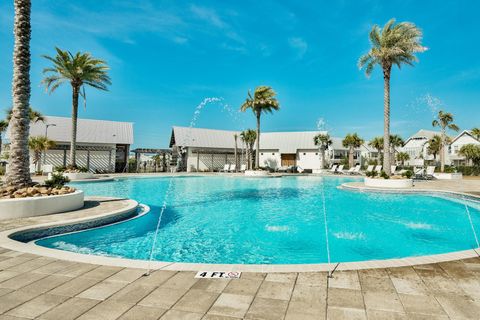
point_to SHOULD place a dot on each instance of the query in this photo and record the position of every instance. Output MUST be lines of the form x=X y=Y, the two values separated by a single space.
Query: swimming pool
x=220 y=219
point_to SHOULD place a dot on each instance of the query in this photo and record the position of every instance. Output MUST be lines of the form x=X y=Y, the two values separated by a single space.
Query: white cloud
x=208 y=15
x=299 y=45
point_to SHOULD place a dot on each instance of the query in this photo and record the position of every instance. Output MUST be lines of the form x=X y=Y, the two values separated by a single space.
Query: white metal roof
x=464 y=132
x=88 y=131
x=285 y=142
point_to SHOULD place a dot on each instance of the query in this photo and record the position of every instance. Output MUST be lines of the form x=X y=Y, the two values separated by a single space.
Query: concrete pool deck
x=39 y=287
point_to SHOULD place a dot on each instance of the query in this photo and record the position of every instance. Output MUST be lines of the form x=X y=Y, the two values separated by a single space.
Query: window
x=304 y=154
x=273 y=153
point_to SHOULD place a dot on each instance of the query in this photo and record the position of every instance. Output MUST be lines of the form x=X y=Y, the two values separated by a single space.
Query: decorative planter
x=448 y=176
x=389 y=183
x=38 y=206
x=78 y=175
x=256 y=173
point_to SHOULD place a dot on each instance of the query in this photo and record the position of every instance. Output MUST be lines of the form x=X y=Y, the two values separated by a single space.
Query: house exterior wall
x=270 y=158
x=213 y=161
x=460 y=142
x=309 y=159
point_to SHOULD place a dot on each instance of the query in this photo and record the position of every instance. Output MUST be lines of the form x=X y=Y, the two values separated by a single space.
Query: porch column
x=88 y=160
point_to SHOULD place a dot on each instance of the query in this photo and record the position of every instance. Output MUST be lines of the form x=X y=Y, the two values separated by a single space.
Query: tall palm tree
x=402 y=157
x=394 y=44
x=444 y=121
x=18 y=173
x=3 y=128
x=434 y=146
x=38 y=145
x=79 y=70
x=34 y=115
x=377 y=143
x=476 y=133
x=323 y=141
x=249 y=137
x=352 y=142
x=262 y=101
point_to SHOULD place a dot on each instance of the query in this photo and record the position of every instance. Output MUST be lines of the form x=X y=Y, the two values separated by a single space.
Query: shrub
x=450 y=169
x=57 y=180
x=469 y=171
x=407 y=174
x=371 y=174
x=60 y=168
x=384 y=175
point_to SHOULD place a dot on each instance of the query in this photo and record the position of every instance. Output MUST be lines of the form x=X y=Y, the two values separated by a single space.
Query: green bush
x=60 y=168
x=469 y=170
x=407 y=174
x=57 y=180
x=384 y=175
x=371 y=174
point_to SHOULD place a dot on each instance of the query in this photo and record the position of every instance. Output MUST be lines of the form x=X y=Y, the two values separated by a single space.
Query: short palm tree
x=352 y=142
x=395 y=142
x=394 y=44
x=377 y=143
x=249 y=137
x=444 y=121
x=262 y=101
x=18 y=173
x=79 y=70
x=34 y=115
x=476 y=133
x=38 y=145
x=323 y=141
x=402 y=157
x=471 y=152
x=434 y=146
x=3 y=128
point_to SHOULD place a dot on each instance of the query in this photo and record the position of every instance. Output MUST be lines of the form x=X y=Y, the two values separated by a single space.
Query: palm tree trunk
x=18 y=173
x=386 y=120
x=236 y=155
x=442 y=152
x=257 y=152
x=323 y=158
x=350 y=157
x=73 y=141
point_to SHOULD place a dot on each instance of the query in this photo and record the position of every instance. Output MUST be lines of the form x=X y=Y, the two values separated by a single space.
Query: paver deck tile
x=231 y=305
x=335 y=313
x=197 y=301
x=127 y=275
x=46 y=284
x=386 y=301
x=181 y=315
x=369 y=283
x=77 y=269
x=421 y=304
x=105 y=310
x=75 y=286
x=212 y=285
x=21 y=280
x=14 y=299
x=345 y=298
x=267 y=309
x=102 y=272
x=458 y=307
x=216 y=317
x=281 y=277
x=132 y=293
x=314 y=279
x=143 y=313
x=242 y=286
x=37 y=306
x=181 y=280
x=345 y=280
x=102 y=290
x=70 y=309
x=386 y=315
x=275 y=290
x=156 y=278
x=31 y=264
x=163 y=298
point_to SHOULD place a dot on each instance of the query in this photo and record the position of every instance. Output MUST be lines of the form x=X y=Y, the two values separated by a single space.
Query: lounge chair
x=233 y=167
x=282 y=169
x=340 y=169
x=350 y=170
x=429 y=173
x=369 y=168
x=333 y=169
x=226 y=168
x=356 y=170
x=378 y=169
x=419 y=173
x=393 y=168
x=300 y=169
x=243 y=167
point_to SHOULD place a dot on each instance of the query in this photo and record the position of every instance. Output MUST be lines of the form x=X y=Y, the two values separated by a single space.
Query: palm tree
x=79 y=70
x=402 y=157
x=434 y=146
x=394 y=44
x=249 y=137
x=377 y=143
x=352 y=142
x=262 y=101
x=444 y=121
x=395 y=142
x=323 y=141
x=3 y=128
x=235 y=137
x=18 y=173
x=471 y=152
x=476 y=133
x=34 y=115
x=38 y=145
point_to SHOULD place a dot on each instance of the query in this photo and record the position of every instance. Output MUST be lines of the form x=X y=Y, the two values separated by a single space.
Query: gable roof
x=285 y=142
x=464 y=132
x=88 y=130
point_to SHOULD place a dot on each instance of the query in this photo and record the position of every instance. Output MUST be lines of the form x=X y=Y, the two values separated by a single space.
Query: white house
x=465 y=137
x=208 y=149
x=102 y=146
x=417 y=147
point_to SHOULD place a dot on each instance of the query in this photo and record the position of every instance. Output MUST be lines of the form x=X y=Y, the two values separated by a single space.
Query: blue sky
x=167 y=56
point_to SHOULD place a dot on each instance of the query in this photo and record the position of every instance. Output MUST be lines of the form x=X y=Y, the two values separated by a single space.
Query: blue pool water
x=272 y=221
